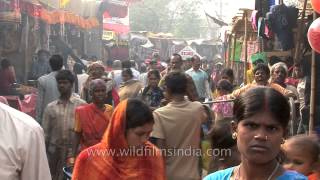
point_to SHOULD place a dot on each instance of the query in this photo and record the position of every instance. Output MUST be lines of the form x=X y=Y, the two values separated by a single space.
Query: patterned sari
x=91 y=122
x=106 y=161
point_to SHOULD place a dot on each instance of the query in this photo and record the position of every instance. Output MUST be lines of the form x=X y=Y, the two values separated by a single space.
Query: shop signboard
x=188 y=52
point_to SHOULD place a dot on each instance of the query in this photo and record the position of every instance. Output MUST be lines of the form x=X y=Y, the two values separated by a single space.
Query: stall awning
x=116 y=24
x=71 y=14
x=115 y=8
x=82 y=8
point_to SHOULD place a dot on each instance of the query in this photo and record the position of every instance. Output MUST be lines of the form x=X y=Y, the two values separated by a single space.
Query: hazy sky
x=229 y=8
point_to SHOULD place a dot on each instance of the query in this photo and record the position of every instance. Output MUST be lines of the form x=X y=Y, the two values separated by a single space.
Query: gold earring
x=234 y=136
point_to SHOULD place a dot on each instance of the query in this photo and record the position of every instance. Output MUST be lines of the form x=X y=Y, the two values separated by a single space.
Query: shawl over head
x=106 y=160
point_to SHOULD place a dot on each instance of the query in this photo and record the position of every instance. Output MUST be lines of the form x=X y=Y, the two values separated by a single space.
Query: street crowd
x=93 y=121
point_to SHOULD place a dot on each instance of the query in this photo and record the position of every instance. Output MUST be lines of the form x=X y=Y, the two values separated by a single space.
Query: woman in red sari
x=92 y=120
x=128 y=131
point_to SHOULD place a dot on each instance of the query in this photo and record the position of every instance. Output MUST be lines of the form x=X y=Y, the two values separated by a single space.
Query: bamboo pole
x=313 y=88
x=245 y=46
x=297 y=54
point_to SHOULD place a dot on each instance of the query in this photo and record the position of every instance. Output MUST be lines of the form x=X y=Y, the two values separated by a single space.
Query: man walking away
x=177 y=129
x=40 y=66
x=47 y=87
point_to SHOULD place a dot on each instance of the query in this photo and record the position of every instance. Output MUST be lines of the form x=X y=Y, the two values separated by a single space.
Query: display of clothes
x=279 y=21
x=254 y=19
x=262 y=6
x=261 y=25
x=282 y=20
x=252 y=48
x=238 y=51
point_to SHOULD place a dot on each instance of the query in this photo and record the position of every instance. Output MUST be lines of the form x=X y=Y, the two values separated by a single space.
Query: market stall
x=27 y=26
x=260 y=33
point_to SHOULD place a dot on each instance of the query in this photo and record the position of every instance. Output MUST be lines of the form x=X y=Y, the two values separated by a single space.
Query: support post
x=313 y=88
x=297 y=53
x=245 y=46
x=234 y=49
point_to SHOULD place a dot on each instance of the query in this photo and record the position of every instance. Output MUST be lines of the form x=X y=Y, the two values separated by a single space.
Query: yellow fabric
x=250 y=76
x=215 y=94
x=206 y=158
x=63 y=3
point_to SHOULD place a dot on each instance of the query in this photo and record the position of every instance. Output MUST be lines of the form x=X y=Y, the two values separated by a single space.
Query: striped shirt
x=58 y=121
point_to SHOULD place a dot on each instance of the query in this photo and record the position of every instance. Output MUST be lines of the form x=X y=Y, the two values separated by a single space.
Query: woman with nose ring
x=261 y=119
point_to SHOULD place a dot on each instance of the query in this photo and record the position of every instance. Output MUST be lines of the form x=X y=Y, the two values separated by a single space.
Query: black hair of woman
x=128 y=71
x=262 y=99
x=138 y=114
x=5 y=63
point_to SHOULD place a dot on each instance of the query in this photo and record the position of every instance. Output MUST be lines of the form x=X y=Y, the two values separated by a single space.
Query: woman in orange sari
x=92 y=120
x=124 y=152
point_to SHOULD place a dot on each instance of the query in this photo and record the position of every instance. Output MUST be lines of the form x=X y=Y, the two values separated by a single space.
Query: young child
x=221 y=140
x=302 y=155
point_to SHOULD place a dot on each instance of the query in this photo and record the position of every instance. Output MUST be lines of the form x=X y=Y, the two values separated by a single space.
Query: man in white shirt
x=144 y=75
x=115 y=74
x=131 y=65
x=22 y=147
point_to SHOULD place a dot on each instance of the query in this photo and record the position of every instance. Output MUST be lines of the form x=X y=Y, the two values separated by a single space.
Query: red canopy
x=116 y=24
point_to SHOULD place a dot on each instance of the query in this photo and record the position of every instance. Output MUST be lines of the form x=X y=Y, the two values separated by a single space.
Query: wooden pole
x=313 y=88
x=229 y=50
x=26 y=50
x=297 y=54
x=245 y=46
x=234 y=50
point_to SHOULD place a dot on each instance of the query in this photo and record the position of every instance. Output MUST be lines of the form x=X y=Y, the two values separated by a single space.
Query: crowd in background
x=161 y=105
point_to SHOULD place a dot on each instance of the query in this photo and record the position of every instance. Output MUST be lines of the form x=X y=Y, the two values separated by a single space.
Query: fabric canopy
x=118 y=25
x=58 y=16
